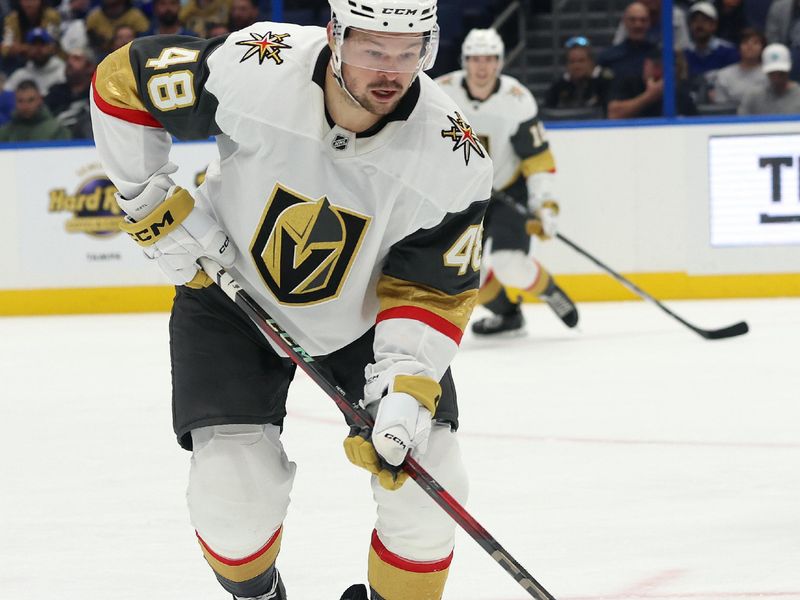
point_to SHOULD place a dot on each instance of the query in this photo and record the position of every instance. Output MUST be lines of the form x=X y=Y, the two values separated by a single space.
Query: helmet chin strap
x=339 y=77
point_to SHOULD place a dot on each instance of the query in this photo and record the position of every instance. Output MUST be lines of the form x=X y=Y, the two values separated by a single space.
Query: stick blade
x=734 y=330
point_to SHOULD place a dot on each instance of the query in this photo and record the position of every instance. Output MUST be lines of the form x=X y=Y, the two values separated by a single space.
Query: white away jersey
x=336 y=232
x=508 y=125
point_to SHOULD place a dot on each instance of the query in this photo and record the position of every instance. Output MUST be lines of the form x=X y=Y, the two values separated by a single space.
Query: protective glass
x=390 y=53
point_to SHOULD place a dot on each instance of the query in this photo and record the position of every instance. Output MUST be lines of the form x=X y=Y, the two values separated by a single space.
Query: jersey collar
x=473 y=98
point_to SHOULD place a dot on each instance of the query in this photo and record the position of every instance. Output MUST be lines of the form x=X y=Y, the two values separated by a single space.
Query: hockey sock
x=492 y=295
x=247 y=577
x=392 y=577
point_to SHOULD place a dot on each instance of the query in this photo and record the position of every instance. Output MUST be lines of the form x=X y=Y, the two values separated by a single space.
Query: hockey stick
x=739 y=328
x=359 y=416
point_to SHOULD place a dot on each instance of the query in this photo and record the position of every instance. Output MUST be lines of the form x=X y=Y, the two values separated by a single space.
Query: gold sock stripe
x=165 y=219
x=247 y=568
x=424 y=389
x=490 y=289
x=396 y=578
x=532 y=293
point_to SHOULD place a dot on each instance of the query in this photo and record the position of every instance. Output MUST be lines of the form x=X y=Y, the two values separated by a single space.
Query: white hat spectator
x=704 y=8
x=776 y=57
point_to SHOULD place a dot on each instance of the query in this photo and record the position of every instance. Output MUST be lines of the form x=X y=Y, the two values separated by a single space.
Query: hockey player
x=347 y=199
x=505 y=117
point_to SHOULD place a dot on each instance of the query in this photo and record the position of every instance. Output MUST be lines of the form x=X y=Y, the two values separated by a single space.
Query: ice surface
x=631 y=459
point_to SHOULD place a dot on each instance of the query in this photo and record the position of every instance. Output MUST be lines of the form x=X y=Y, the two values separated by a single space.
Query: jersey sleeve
x=530 y=140
x=427 y=290
x=144 y=93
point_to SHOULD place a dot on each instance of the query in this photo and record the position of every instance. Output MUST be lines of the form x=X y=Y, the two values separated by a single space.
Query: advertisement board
x=754 y=185
x=71 y=218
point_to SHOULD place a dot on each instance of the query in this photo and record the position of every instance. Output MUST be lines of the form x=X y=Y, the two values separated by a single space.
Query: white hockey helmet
x=379 y=18
x=483 y=42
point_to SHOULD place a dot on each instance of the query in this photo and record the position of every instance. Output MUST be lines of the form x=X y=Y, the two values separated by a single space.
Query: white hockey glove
x=172 y=231
x=542 y=203
x=403 y=406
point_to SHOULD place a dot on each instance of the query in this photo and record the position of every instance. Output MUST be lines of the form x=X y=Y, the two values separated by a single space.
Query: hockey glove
x=545 y=225
x=361 y=452
x=172 y=231
x=403 y=417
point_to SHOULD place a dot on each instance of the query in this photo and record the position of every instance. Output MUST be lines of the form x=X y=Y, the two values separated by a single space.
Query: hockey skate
x=356 y=592
x=509 y=324
x=561 y=304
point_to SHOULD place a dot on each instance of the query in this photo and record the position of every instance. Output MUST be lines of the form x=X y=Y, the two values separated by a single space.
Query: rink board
x=708 y=210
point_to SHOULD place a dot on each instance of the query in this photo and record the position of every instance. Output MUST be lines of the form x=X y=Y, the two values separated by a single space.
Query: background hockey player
x=347 y=200
x=505 y=116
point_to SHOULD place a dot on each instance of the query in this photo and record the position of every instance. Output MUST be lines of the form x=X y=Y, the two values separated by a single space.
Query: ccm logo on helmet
x=399 y=11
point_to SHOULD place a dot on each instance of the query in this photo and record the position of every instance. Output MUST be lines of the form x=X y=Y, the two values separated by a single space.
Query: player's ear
x=329 y=29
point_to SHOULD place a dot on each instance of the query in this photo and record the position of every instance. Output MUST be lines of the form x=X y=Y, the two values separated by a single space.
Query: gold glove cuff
x=162 y=221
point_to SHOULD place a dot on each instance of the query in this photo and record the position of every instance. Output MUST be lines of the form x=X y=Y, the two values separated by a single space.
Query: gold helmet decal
x=304 y=248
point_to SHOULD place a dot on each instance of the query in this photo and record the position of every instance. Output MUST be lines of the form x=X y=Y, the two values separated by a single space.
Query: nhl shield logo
x=304 y=248
x=340 y=142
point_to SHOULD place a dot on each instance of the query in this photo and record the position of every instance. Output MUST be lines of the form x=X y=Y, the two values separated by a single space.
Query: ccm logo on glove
x=396 y=440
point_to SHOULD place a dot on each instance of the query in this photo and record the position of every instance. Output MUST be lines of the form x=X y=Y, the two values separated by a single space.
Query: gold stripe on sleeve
x=456 y=309
x=542 y=162
x=115 y=81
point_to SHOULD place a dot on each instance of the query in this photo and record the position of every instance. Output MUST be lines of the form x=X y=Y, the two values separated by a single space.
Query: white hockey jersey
x=508 y=125
x=336 y=232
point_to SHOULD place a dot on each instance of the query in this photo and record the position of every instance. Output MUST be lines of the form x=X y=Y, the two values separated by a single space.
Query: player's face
x=482 y=70
x=379 y=69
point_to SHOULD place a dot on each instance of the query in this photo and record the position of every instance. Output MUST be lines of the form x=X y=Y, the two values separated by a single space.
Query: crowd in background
x=725 y=62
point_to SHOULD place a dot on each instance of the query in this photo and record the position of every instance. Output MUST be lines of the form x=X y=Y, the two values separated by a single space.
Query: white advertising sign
x=754 y=183
x=71 y=220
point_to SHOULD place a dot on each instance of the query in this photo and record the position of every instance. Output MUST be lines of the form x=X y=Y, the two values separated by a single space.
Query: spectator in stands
x=243 y=14
x=198 y=15
x=31 y=14
x=69 y=101
x=643 y=96
x=730 y=84
x=780 y=96
x=165 y=19
x=123 y=34
x=216 y=29
x=44 y=67
x=583 y=84
x=680 y=32
x=706 y=51
x=626 y=58
x=732 y=19
x=783 y=27
x=73 y=24
x=32 y=120
x=104 y=19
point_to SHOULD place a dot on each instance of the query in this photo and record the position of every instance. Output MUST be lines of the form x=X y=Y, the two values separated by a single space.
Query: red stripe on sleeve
x=431 y=319
x=140 y=117
x=408 y=565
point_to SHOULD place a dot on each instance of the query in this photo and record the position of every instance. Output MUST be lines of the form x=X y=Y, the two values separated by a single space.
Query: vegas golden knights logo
x=304 y=248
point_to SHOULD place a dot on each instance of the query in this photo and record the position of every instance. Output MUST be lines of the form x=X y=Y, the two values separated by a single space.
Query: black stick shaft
x=739 y=328
x=273 y=331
